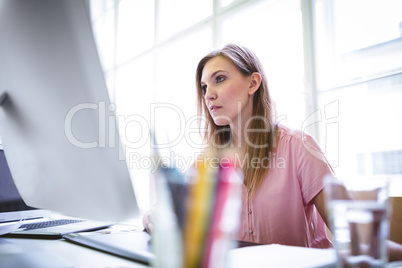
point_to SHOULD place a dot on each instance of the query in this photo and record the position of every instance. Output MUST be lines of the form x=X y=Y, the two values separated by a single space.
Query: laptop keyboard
x=47 y=224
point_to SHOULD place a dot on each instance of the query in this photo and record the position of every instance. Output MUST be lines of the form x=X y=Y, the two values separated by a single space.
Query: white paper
x=275 y=255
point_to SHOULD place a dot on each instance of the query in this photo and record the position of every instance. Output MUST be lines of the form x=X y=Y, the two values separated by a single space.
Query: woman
x=283 y=169
x=282 y=197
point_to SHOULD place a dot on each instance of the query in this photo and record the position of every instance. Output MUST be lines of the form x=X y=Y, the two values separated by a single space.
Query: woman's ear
x=255 y=82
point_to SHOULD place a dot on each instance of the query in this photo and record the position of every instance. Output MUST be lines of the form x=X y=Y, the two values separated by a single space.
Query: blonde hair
x=262 y=142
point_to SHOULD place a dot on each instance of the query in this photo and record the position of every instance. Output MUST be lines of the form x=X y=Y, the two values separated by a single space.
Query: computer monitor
x=57 y=124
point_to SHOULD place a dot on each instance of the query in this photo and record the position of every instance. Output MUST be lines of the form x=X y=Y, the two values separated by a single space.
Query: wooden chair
x=396 y=220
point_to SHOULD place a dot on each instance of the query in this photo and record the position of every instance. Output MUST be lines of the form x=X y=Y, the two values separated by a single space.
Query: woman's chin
x=221 y=123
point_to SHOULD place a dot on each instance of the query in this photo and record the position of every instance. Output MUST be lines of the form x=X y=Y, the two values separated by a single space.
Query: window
x=279 y=48
x=357 y=40
x=343 y=89
x=359 y=66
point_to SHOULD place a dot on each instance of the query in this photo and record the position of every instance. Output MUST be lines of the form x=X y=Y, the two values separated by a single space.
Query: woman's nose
x=210 y=94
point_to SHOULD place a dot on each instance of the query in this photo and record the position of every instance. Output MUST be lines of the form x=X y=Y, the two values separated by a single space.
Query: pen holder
x=213 y=210
x=201 y=215
x=166 y=235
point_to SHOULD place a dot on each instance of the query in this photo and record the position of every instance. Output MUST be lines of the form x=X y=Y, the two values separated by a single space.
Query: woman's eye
x=204 y=89
x=220 y=79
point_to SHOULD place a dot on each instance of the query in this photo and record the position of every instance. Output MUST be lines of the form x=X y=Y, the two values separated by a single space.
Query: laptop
x=34 y=223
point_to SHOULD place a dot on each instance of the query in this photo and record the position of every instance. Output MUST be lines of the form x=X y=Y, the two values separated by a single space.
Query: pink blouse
x=282 y=211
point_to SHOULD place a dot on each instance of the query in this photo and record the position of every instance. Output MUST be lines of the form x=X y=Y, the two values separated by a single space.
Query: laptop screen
x=10 y=199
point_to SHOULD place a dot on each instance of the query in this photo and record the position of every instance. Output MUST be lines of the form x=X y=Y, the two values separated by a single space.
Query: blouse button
x=250 y=231
x=249 y=212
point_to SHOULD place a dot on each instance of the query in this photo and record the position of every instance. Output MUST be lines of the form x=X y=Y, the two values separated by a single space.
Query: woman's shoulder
x=295 y=137
x=298 y=142
x=286 y=132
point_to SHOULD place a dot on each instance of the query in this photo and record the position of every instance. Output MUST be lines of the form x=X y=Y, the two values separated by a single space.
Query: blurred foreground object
x=359 y=210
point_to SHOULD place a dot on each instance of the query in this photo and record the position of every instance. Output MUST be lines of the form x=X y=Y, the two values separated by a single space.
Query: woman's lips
x=213 y=108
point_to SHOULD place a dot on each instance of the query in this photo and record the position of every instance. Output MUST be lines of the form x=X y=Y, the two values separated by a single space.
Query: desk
x=61 y=254
x=56 y=253
x=43 y=253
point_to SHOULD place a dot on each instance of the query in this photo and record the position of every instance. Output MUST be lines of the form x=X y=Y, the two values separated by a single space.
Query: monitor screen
x=10 y=199
x=57 y=124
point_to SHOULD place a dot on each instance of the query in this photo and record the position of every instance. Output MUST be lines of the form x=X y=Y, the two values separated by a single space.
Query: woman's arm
x=319 y=202
x=394 y=251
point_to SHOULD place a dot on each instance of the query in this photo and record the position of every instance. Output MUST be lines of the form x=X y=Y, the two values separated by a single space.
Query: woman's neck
x=239 y=124
x=238 y=140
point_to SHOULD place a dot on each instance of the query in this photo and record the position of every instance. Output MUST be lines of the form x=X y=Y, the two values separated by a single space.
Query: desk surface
x=33 y=253
x=17 y=252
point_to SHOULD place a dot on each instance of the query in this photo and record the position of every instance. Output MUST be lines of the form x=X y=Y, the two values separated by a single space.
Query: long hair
x=260 y=143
